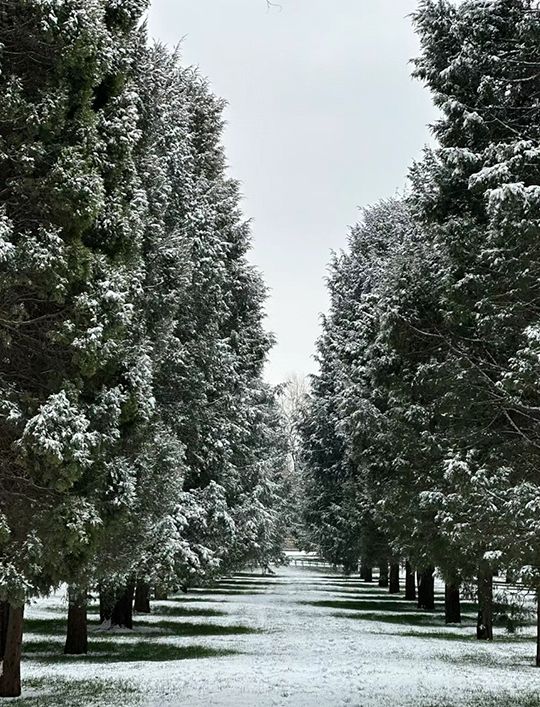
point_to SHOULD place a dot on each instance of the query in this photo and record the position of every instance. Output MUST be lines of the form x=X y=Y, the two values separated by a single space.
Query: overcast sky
x=323 y=118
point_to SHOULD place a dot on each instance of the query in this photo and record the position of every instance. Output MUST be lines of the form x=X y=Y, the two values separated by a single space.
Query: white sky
x=323 y=117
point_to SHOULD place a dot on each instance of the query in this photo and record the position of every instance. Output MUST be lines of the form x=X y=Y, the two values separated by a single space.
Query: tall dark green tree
x=72 y=384
x=477 y=198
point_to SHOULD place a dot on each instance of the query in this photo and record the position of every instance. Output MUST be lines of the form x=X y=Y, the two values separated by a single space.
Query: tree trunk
x=410 y=584
x=366 y=573
x=349 y=568
x=394 y=578
x=122 y=613
x=426 y=589
x=10 y=678
x=106 y=603
x=77 y=629
x=383 y=574
x=4 y=618
x=142 y=598
x=484 y=624
x=538 y=627
x=452 y=603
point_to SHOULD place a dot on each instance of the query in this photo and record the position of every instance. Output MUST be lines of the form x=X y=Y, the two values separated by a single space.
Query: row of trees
x=140 y=450
x=422 y=432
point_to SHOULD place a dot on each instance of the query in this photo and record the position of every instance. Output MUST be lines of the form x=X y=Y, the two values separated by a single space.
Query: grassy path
x=302 y=638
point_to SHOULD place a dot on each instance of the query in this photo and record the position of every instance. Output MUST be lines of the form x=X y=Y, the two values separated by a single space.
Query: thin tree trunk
x=452 y=603
x=106 y=603
x=77 y=629
x=142 y=598
x=10 y=677
x=538 y=627
x=122 y=613
x=410 y=584
x=349 y=568
x=383 y=574
x=484 y=624
x=426 y=589
x=366 y=573
x=394 y=578
x=4 y=618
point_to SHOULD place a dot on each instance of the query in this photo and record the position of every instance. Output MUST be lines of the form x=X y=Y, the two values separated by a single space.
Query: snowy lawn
x=305 y=637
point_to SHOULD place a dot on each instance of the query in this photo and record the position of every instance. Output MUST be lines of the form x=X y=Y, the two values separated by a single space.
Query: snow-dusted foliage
x=424 y=417
x=478 y=199
x=138 y=443
x=69 y=279
x=344 y=413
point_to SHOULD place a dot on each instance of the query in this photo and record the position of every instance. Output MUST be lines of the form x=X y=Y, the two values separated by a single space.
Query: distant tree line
x=140 y=450
x=421 y=435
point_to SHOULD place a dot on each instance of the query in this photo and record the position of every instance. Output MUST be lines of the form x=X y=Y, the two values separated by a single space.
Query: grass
x=350 y=591
x=366 y=604
x=262 y=582
x=109 y=651
x=249 y=575
x=497 y=700
x=404 y=619
x=44 y=640
x=531 y=700
x=45 y=626
x=168 y=610
x=54 y=626
x=228 y=592
x=466 y=636
x=179 y=628
x=372 y=610
x=57 y=692
x=486 y=700
x=232 y=589
x=201 y=598
x=105 y=647
x=484 y=659
x=394 y=611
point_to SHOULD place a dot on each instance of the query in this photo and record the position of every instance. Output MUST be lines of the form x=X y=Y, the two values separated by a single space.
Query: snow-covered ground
x=307 y=654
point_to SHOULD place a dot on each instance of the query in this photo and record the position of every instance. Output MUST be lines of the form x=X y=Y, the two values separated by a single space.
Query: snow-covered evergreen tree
x=206 y=484
x=292 y=398
x=478 y=200
x=75 y=375
x=428 y=383
x=341 y=424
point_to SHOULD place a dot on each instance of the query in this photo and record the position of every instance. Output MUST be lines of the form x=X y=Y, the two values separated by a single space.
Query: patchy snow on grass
x=318 y=639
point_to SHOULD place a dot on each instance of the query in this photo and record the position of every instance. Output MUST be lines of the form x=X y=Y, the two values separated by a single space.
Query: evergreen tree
x=292 y=398
x=478 y=201
x=427 y=395
x=344 y=406
x=74 y=381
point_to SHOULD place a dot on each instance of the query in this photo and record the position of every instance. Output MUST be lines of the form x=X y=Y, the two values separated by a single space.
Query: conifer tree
x=478 y=200
x=73 y=381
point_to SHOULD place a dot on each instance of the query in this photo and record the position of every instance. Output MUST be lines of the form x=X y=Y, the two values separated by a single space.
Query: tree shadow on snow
x=211 y=591
x=360 y=592
x=52 y=626
x=109 y=651
x=167 y=610
x=405 y=619
x=462 y=632
x=396 y=606
x=181 y=628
